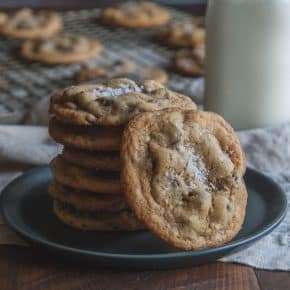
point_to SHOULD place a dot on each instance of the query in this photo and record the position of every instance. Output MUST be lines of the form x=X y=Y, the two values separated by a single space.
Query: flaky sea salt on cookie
x=114 y=102
x=182 y=176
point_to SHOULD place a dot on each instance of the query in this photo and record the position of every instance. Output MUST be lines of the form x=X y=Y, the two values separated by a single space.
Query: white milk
x=248 y=61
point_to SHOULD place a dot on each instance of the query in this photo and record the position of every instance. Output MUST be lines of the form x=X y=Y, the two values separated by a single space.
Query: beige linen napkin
x=20 y=147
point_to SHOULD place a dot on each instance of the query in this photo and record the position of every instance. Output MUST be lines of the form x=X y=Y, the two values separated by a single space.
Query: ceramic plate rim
x=261 y=232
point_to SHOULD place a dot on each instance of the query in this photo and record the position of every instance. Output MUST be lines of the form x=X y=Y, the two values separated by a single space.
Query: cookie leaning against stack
x=182 y=173
x=89 y=121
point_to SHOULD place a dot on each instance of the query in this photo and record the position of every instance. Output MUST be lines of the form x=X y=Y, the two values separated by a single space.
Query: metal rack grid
x=23 y=84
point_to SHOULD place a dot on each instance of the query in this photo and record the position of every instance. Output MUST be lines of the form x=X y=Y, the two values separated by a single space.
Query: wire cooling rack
x=23 y=84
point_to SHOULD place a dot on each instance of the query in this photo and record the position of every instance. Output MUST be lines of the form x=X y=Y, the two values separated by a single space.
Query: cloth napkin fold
x=267 y=150
x=26 y=144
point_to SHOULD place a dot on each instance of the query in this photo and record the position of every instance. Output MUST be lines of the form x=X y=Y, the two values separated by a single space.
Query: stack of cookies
x=141 y=156
x=88 y=120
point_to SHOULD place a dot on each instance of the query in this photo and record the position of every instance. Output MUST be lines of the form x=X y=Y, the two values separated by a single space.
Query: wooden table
x=34 y=269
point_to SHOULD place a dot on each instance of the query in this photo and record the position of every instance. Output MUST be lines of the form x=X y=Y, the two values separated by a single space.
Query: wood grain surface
x=32 y=269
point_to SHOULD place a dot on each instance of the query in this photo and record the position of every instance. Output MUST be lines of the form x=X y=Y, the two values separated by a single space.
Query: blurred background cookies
x=120 y=68
x=190 y=62
x=79 y=48
x=62 y=49
x=184 y=34
x=28 y=24
x=136 y=15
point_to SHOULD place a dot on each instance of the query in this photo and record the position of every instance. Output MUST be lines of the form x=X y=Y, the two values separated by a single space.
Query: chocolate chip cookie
x=187 y=35
x=182 y=176
x=120 y=68
x=190 y=62
x=99 y=160
x=100 y=73
x=28 y=24
x=62 y=49
x=96 y=221
x=89 y=138
x=136 y=15
x=113 y=103
x=151 y=73
x=84 y=178
x=86 y=200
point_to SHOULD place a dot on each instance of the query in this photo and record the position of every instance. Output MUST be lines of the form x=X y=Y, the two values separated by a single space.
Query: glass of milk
x=248 y=61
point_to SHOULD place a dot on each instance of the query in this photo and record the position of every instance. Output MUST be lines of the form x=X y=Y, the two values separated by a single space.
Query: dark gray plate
x=26 y=208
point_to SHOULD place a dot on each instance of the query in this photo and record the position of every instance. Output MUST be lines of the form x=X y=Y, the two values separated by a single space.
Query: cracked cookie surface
x=114 y=102
x=182 y=176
